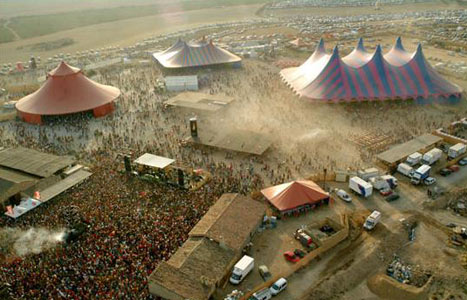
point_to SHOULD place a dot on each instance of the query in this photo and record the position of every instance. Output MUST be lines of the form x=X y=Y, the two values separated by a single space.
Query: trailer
x=405 y=169
x=431 y=156
x=368 y=173
x=414 y=158
x=360 y=186
x=456 y=150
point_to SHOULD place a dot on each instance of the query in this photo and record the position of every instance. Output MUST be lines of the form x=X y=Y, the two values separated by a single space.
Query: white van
x=372 y=220
x=241 y=269
x=278 y=286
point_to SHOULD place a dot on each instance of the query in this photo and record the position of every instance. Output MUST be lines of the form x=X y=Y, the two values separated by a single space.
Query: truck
x=391 y=180
x=368 y=173
x=379 y=183
x=384 y=182
x=431 y=156
x=405 y=169
x=360 y=186
x=372 y=220
x=241 y=269
x=456 y=150
x=421 y=174
x=414 y=158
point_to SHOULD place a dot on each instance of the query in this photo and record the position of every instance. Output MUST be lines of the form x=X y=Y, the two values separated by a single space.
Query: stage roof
x=67 y=90
x=367 y=76
x=203 y=53
x=34 y=162
x=200 y=101
x=244 y=141
x=401 y=151
x=154 y=161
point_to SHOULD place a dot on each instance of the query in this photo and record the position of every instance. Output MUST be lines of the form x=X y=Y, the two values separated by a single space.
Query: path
x=5 y=25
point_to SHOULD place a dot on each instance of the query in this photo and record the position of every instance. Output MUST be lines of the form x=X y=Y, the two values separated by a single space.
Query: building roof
x=197 y=260
x=67 y=90
x=367 y=76
x=178 y=282
x=154 y=161
x=294 y=194
x=34 y=162
x=401 y=151
x=203 y=53
x=200 y=101
x=230 y=220
x=238 y=140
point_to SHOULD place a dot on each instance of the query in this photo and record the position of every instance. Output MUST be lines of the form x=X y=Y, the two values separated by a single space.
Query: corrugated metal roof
x=401 y=151
x=34 y=162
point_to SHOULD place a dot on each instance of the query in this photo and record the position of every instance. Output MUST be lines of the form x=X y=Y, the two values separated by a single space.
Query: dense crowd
x=134 y=224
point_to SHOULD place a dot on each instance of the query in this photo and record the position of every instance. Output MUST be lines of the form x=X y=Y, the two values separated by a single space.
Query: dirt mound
x=388 y=288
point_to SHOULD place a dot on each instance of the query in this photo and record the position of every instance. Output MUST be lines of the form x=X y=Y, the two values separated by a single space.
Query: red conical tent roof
x=294 y=194
x=67 y=91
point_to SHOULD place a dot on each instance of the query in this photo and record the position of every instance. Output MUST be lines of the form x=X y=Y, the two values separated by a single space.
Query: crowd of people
x=133 y=225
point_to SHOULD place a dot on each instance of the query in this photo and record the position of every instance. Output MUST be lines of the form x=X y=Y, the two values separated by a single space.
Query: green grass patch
x=5 y=34
x=32 y=26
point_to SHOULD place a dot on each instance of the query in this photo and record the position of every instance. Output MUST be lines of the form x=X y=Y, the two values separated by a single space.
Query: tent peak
x=360 y=44
x=399 y=43
x=320 y=46
x=63 y=69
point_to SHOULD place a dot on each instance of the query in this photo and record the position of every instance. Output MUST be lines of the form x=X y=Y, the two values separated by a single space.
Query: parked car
x=454 y=168
x=445 y=172
x=463 y=162
x=264 y=272
x=278 y=286
x=392 y=197
x=299 y=253
x=343 y=195
x=429 y=181
x=385 y=192
x=263 y=294
x=290 y=256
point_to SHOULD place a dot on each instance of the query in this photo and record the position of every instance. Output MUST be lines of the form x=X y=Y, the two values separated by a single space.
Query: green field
x=38 y=25
x=5 y=34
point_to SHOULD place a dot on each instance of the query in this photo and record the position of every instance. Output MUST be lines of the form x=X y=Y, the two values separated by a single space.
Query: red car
x=385 y=192
x=454 y=168
x=290 y=256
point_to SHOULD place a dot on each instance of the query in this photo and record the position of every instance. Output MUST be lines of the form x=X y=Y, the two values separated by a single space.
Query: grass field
x=5 y=34
x=124 y=32
x=42 y=24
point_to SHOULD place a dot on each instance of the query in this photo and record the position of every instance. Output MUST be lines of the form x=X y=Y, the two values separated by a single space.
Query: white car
x=278 y=286
x=343 y=195
x=429 y=180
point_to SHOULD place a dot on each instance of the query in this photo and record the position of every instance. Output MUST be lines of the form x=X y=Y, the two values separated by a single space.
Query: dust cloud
x=32 y=241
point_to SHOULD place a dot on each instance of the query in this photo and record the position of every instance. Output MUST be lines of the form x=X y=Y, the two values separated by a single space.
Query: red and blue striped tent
x=364 y=76
x=184 y=55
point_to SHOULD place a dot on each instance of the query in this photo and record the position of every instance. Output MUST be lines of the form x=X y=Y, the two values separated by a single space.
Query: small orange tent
x=294 y=195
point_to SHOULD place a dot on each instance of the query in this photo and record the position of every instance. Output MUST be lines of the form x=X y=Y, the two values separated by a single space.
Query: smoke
x=32 y=241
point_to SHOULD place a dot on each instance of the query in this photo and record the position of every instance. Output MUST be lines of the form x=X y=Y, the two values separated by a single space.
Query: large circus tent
x=67 y=91
x=365 y=76
x=194 y=54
